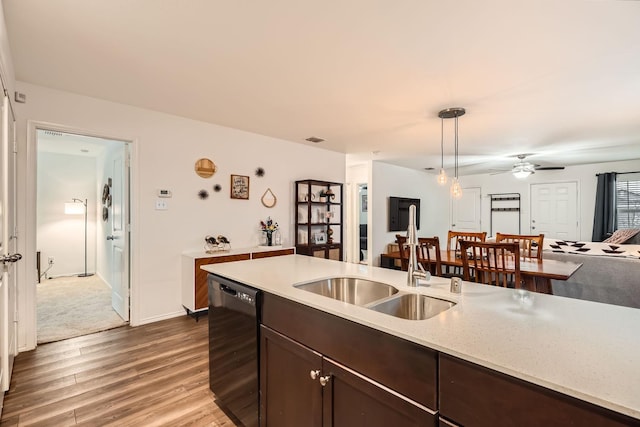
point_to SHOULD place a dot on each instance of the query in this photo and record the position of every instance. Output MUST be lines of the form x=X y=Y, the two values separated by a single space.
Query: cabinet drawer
x=473 y=395
x=269 y=254
x=403 y=366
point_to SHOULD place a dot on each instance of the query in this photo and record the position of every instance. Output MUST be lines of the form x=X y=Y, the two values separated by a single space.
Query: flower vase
x=269 y=238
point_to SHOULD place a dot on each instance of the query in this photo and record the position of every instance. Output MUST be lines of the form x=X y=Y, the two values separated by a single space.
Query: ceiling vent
x=314 y=139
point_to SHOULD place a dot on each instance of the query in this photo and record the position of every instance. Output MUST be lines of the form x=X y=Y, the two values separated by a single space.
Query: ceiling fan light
x=442 y=177
x=522 y=173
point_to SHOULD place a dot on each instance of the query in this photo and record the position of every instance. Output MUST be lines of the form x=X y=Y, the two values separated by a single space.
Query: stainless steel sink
x=349 y=289
x=412 y=306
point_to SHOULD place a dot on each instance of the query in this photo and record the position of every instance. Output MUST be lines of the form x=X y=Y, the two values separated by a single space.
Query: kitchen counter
x=583 y=349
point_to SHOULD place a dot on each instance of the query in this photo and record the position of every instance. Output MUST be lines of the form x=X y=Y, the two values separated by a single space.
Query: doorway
x=466 y=211
x=81 y=234
x=554 y=210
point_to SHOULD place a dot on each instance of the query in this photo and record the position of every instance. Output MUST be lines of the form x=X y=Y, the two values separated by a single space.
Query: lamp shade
x=73 y=208
x=522 y=173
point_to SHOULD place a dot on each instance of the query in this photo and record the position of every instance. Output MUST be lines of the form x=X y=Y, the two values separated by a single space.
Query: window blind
x=628 y=201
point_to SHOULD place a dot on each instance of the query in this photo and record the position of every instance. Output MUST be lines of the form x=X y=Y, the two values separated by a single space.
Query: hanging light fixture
x=442 y=176
x=453 y=113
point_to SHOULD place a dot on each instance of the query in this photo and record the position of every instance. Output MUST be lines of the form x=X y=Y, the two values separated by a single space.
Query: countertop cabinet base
x=474 y=395
x=301 y=387
x=370 y=378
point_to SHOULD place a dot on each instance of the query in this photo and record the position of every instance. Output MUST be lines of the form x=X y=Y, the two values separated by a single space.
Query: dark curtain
x=604 y=219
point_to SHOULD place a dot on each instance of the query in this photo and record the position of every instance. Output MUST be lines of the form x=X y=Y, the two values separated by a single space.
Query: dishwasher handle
x=228 y=290
x=239 y=295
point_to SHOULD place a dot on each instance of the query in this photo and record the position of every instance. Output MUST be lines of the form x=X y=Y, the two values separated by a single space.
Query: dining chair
x=429 y=255
x=453 y=239
x=404 y=251
x=491 y=263
x=530 y=246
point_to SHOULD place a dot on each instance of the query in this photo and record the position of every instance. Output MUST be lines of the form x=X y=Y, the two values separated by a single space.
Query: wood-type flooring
x=151 y=375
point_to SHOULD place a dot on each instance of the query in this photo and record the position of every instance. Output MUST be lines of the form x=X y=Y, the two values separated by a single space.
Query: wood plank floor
x=151 y=375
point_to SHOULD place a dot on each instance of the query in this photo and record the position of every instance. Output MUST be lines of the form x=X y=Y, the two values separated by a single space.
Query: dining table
x=536 y=274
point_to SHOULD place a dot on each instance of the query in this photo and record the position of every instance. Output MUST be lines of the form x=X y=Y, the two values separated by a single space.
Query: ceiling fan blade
x=549 y=168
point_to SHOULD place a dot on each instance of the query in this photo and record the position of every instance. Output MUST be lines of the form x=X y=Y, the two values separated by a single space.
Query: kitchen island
x=584 y=350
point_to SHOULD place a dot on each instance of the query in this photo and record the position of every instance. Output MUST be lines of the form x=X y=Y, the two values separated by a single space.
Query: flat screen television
x=399 y=213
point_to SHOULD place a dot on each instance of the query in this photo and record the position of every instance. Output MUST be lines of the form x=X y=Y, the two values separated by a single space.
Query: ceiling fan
x=523 y=168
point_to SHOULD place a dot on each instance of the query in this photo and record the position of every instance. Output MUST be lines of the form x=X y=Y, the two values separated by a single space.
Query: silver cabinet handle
x=314 y=374
x=324 y=380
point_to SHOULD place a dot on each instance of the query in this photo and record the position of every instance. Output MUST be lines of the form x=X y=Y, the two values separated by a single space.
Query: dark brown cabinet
x=300 y=387
x=353 y=400
x=288 y=395
x=472 y=395
x=340 y=373
x=319 y=224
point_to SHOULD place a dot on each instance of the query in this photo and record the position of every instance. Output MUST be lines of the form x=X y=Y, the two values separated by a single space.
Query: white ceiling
x=560 y=79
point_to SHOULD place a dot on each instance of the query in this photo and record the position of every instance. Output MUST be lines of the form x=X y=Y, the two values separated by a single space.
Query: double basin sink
x=378 y=296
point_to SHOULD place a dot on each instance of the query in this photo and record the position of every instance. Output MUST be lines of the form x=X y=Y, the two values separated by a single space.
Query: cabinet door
x=288 y=394
x=352 y=400
x=472 y=395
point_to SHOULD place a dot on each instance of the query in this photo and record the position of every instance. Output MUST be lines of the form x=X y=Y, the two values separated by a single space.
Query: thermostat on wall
x=164 y=193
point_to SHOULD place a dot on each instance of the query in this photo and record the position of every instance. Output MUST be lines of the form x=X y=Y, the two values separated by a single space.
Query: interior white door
x=554 y=210
x=119 y=234
x=8 y=245
x=466 y=211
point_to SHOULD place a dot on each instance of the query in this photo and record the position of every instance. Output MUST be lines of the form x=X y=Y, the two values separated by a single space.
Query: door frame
x=28 y=312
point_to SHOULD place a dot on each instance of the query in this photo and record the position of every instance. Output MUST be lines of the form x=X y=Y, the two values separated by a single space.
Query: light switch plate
x=162 y=205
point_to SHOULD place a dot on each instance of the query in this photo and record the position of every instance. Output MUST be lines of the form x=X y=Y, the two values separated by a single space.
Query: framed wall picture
x=239 y=187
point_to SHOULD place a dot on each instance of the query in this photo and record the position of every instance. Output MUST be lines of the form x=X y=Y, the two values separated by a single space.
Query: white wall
x=165 y=149
x=62 y=177
x=390 y=180
x=584 y=175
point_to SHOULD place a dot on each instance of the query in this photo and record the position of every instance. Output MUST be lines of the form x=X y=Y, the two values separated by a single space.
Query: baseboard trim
x=161 y=317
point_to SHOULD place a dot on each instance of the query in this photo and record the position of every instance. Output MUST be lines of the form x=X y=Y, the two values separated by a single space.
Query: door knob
x=324 y=380
x=111 y=237
x=314 y=374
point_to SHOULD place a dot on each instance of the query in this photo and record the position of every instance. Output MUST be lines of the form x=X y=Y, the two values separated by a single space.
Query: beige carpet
x=73 y=306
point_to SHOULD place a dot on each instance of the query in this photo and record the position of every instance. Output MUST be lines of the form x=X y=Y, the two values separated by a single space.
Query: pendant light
x=442 y=176
x=453 y=113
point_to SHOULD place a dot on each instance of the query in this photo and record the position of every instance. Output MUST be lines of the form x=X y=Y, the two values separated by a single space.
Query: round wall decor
x=205 y=168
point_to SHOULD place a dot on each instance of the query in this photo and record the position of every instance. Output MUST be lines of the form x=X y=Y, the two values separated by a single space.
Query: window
x=628 y=201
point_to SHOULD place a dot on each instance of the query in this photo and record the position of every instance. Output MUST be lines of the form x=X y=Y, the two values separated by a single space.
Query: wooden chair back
x=453 y=237
x=491 y=263
x=530 y=246
x=404 y=251
x=429 y=255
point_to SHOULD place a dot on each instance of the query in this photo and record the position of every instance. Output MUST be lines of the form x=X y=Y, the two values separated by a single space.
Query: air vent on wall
x=52 y=133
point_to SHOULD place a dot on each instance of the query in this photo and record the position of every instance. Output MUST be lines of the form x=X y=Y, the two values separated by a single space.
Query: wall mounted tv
x=399 y=213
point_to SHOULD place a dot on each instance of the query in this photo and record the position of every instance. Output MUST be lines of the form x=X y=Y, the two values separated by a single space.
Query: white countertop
x=580 y=348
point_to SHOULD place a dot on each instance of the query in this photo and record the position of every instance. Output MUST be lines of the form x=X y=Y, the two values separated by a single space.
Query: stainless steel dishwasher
x=233 y=347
